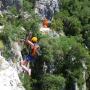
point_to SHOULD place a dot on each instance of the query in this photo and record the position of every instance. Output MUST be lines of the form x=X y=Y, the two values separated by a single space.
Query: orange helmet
x=45 y=23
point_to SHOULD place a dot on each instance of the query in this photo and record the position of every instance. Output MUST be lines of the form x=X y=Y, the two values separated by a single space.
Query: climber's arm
x=30 y=43
x=29 y=36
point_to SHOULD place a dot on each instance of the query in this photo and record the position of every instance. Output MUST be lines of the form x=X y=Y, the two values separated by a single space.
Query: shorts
x=29 y=58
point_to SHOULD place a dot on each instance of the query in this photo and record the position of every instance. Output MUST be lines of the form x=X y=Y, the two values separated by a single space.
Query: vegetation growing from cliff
x=62 y=55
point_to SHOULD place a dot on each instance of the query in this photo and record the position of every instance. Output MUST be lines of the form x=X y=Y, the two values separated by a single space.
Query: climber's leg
x=25 y=68
x=24 y=64
x=29 y=72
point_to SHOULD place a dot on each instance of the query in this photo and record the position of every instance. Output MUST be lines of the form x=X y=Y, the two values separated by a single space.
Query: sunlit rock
x=45 y=30
x=9 y=79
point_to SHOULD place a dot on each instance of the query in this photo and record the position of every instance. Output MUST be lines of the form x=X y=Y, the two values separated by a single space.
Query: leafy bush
x=86 y=35
x=1 y=45
x=72 y=26
x=27 y=6
x=51 y=82
x=26 y=80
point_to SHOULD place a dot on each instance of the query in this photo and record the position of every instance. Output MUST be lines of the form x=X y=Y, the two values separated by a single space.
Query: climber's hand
x=30 y=33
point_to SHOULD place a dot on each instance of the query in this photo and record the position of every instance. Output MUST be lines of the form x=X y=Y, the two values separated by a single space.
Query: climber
x=45 y=23
x=32 y=56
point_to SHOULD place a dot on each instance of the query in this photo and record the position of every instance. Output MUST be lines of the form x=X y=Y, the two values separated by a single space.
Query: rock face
x=5 y=3
x=9 y=79
x=46 y=8
x=48 y=31
x=16 y=49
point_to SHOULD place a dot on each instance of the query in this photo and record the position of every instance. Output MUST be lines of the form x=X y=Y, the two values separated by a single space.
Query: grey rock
x=46 y=8
x=9 y=79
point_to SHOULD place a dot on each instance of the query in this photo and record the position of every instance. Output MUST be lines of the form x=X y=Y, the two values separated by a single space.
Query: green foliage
x=27 y=6
x=32 y=24
x=75 y=15
x=13 y=10
x=57 y=24
x=26 y=80
x=2 y=20
x=14 y=32
x=72 y=26
x=51 y=82
x=47 y=52
x=65 y=53
x=86 y=35
x=1 y=45
x=85 y=15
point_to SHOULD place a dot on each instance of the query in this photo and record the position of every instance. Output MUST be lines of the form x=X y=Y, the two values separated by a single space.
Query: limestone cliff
x=9 y=79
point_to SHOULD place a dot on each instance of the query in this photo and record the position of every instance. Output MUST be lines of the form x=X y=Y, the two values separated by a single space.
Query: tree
x=86 y=35
x=62 y=56
x=51 y=82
